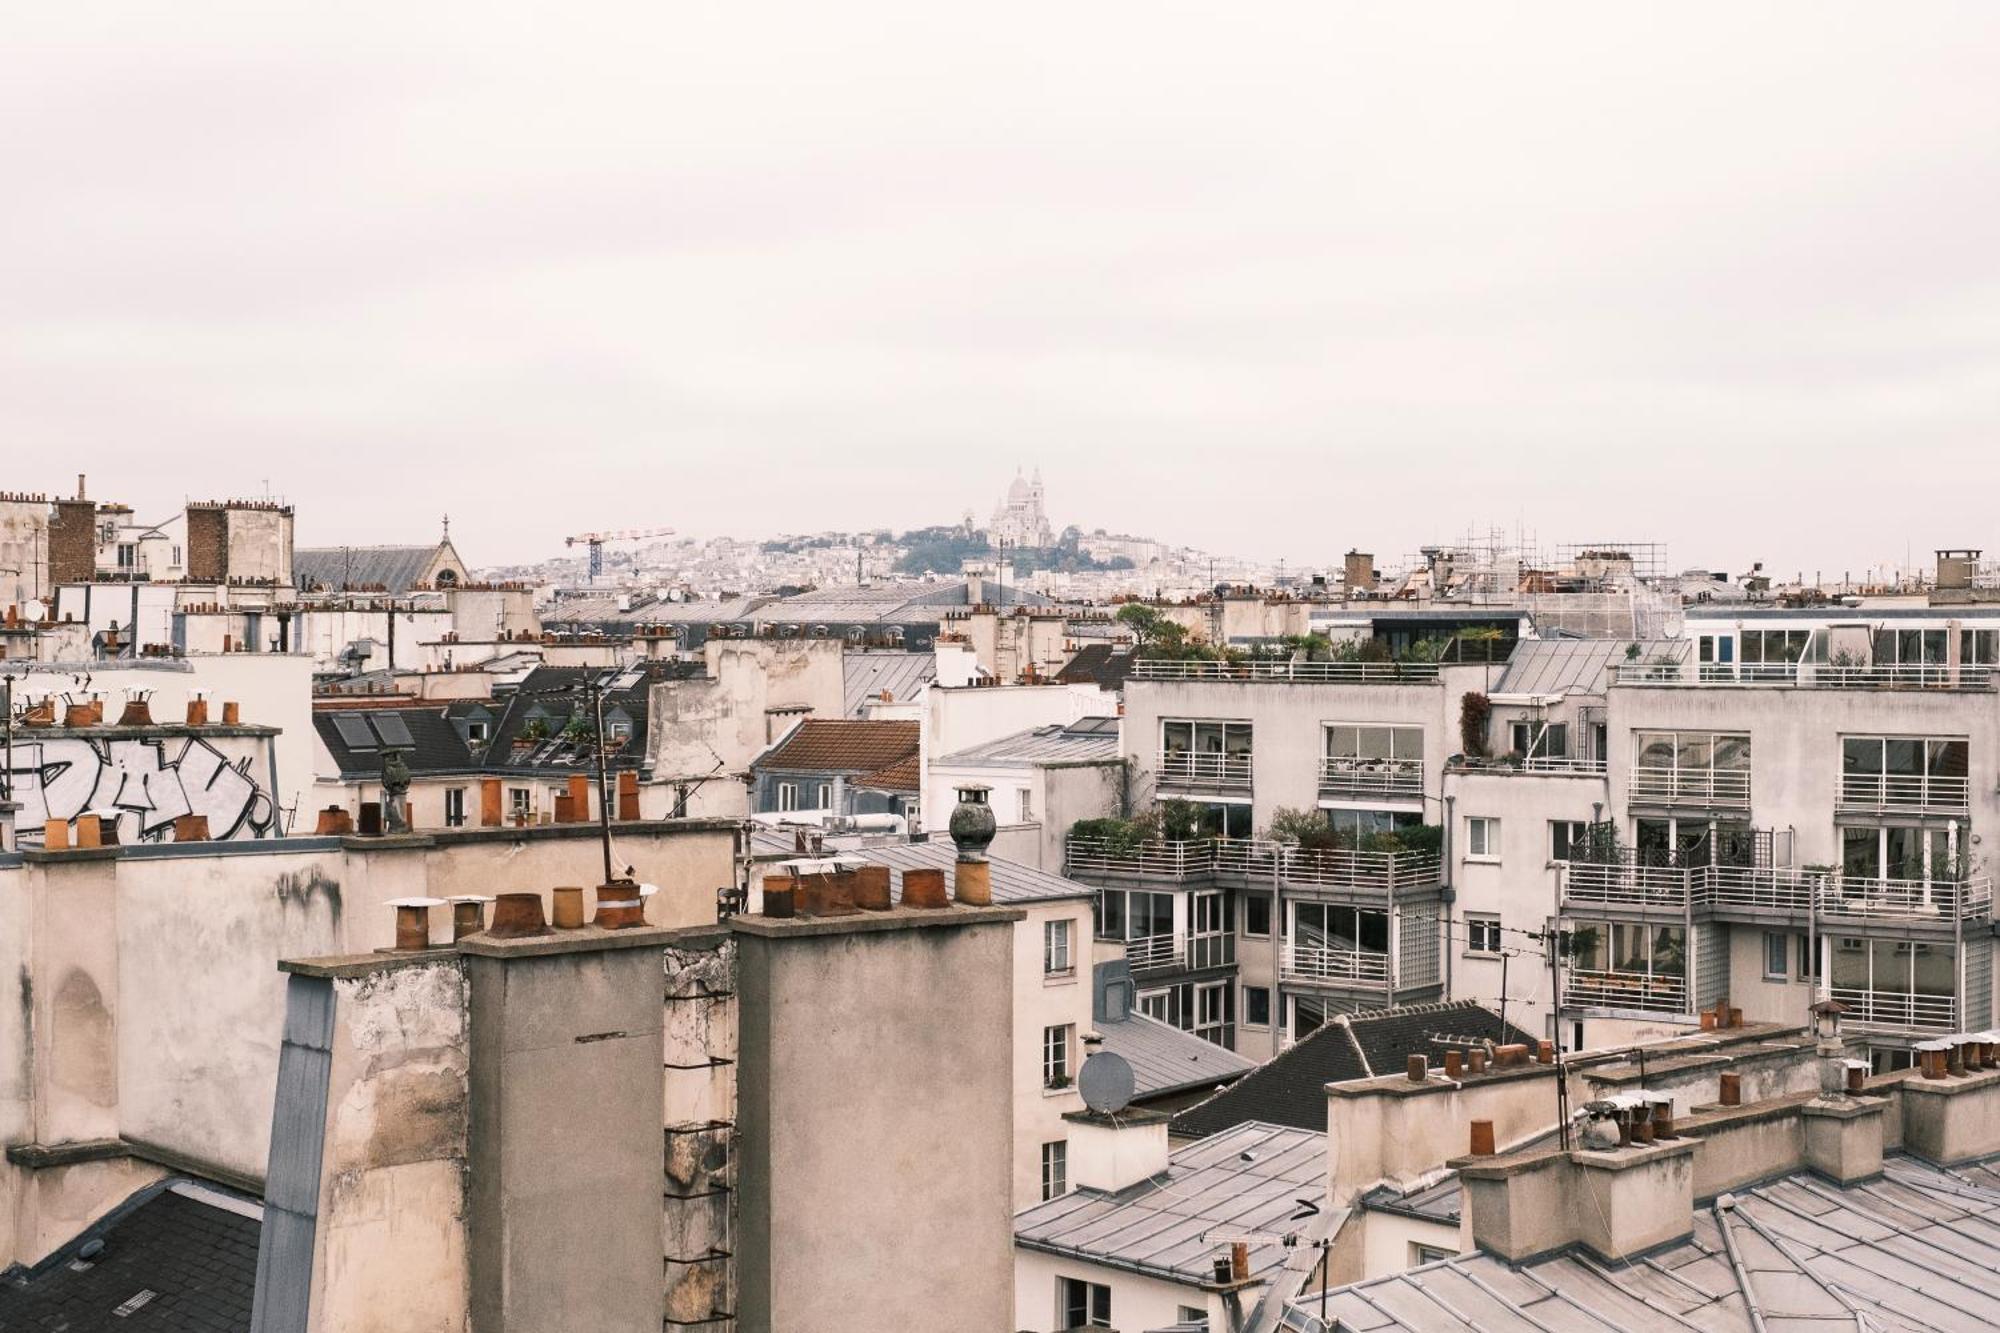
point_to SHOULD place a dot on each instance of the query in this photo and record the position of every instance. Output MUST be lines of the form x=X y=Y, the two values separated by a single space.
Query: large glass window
x=1134 y=914
x=1389 y=760
x=1904 y=772
x=1334 y=942
x=1697 y=766
x=1201 y=751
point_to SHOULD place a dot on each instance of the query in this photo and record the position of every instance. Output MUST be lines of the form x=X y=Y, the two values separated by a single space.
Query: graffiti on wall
x=136 y=784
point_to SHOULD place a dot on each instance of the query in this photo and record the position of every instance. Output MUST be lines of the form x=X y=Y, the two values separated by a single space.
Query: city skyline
x=1275 y=284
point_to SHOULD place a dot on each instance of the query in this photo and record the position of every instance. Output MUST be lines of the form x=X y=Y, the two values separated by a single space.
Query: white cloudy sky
x=1273 y=278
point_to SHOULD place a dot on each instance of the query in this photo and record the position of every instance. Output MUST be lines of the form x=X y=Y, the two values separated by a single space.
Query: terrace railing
x=1658 y=785
x=1380 y=778
x=1658 y=993
x=1310 y=673
x=1190 y=768
x=1897 y=1011
x=1324 y=966
x=1904 y=791
x=1253 y=862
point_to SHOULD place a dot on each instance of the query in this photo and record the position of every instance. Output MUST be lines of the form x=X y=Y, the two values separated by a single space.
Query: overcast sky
x=1273 y=278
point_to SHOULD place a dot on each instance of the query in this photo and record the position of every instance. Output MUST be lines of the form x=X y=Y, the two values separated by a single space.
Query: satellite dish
x=36 y=611
x=1106 y=1083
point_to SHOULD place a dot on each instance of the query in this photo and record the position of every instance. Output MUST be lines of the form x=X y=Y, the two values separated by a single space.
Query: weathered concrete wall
x=390 y=1253
x=725 y=719
x=24 y=548
x=699 y=1029
x=871 y=1111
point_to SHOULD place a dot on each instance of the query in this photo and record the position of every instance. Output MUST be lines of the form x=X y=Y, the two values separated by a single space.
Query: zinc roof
x=1174 y=1229
x=1914 y=1249
x=1088 y=740
x=1564 y=666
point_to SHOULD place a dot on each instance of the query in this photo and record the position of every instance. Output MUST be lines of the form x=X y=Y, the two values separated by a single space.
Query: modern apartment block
x=1778 y=801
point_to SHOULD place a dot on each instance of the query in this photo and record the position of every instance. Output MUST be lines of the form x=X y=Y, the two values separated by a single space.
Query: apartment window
x=1568 y=839
x=128 y=555
x=1979 y=647
x=1691 y=766
x=1809 y=969
x=1357 y=824
x=1055 y=1169
x=1384 y=761
x=1257 y=1006
x=788 y=796
x=478 y=731
x=1428 y=1254
x=1081 y=1304
x=1024 y=806
x=1195 y=751
x=177 y=557
x=1777 y=956
x=1224 y=819
x=1334 y=943
x=520 y=800
x=1056 y=960
x=1192 y=1314
x=1136 y=914
x=1257 y=915
x=1482 y=934
x=454 y=807
x=1904 y=772
x=823 y=797
x=1482 y=838
x=1055 y=1056
x=1541 y=740
x=1214 y=1016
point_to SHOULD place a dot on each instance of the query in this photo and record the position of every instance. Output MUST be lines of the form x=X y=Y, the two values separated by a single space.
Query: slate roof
x=1087 y=740
x=1165 y=1059
x=840 y=745
x=867 y=674
x=1012 y=881
x=193 y=1247
x=545 y=689
x=1290 y=1087
x=1101 y=664
x=356 y=737
x=1174 y=1230
x=1566 y=666
x=393 y=567
x=1914 y=1249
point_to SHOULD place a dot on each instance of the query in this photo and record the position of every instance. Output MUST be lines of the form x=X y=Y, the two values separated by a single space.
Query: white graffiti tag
x=133 y=783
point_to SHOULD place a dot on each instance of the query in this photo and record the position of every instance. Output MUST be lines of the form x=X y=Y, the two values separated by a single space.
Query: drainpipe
x=1450 y=895
x=1277 y=1015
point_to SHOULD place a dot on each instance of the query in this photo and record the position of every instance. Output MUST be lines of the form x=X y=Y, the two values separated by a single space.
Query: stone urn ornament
x=395 y=786
x=972 y=823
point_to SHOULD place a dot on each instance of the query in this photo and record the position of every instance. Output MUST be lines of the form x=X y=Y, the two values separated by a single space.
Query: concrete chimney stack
x=1113 y=1152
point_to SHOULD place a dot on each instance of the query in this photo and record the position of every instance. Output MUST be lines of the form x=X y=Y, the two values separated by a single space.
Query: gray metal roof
x=1012 y=882
x=1165 y=1059
x=866 y=674
x=1565 y=666
x=1087 y=740
x=1174 y=1229
x=1915 y=1249
x=336 y=567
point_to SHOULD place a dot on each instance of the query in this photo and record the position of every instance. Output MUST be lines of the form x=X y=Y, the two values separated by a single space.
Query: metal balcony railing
x=1807 y=675
x=1154 y=953
x=1657 y=993
x=1187 y=768
x=1794 y=893
x=1352 y=967
x=1904 y=791
x=1897 y=1011
x=1690 y=786
x=1256 y=862
x=1379 y=778
x=1543 y=764
x=1314 y=673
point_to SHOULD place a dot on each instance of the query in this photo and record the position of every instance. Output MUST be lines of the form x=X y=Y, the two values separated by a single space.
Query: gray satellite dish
x=1106 y=1083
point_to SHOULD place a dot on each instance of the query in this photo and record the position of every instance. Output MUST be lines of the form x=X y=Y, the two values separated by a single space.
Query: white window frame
x=1482 y=934
x=1024 y=805
x=1421 y=1254
x=1055 y=1169
x=1059 y=948
x=1482 y=839
x=1778 y=944
x=1056 y=1041
x=1577 y=830
x=1246 y=1020
x=788 y=796
x=454 y=807
x=521 y=800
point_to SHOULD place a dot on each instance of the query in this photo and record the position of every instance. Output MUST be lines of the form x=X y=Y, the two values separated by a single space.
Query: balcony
x=1155 y=953
x=1187 y=769
x=1312 y=966
x=1307 y=673
x=1905 y=792
x=1759 y=892
x=1655 y=994
x=1689 y=786
x=1256 y=863
x=1897 y=1011
x=1371 y=779
x=1805 y=675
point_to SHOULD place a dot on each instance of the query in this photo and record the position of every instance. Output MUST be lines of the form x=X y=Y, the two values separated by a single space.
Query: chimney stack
x=972 y=829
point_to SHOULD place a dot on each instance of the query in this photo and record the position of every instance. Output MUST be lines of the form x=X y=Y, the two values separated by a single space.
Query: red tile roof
x=905 y=775
x=836 y=745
